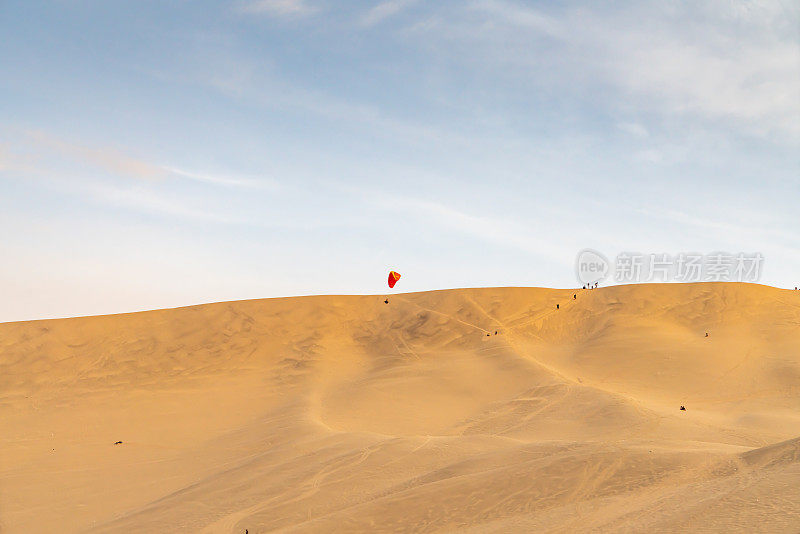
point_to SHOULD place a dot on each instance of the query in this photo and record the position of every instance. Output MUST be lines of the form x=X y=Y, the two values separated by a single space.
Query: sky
x=157 y=154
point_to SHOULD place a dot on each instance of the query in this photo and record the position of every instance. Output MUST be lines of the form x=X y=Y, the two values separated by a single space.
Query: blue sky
x=158 y=154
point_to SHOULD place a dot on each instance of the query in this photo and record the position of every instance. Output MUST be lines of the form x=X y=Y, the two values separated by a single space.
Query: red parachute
x=393 y=278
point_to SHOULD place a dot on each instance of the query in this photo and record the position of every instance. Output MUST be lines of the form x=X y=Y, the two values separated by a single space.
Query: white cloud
x=385 y=10
x=279 y=7
x=758 y=87
x=711 y=60
x=268 y=91
x=633 y=128
x=150 y=201
x=494 y=230
x=249 y=182
x=650 y=156
x=521 y=16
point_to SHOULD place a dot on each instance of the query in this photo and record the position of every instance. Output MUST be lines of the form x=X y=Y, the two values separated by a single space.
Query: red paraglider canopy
x=393 y=278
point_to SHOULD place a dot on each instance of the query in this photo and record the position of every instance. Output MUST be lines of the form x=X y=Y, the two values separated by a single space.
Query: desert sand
x=342 y=413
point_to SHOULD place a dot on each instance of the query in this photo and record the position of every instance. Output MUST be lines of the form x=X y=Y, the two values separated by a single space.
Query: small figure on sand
x=557 y=307
x=706 y=334
x=575 y=296
x=683 y=408
x=386 y=301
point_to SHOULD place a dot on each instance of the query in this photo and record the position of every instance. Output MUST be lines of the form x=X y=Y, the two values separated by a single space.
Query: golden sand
x=342 y=413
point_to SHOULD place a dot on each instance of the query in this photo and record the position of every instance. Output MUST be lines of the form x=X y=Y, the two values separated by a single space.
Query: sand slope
x=316 y=414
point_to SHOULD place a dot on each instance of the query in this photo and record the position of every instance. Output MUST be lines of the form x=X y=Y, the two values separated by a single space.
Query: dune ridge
x=313 y=414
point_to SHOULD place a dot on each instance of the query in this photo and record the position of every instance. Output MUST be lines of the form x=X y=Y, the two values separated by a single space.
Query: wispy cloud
x=633 y=128
x=650 y=155
x=141 y=199
x=770 y=235
x=281 y=8
x=709 y=60
x=268 y=91
x=521 y=16
x=43 y=146
x=248 y=182
x=497 y=231
x=385 y=10
x=106 y=158
x=758 y=87
x=767 y=225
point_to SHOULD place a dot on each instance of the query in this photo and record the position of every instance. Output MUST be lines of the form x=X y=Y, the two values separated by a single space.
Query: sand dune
x=342 y=413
